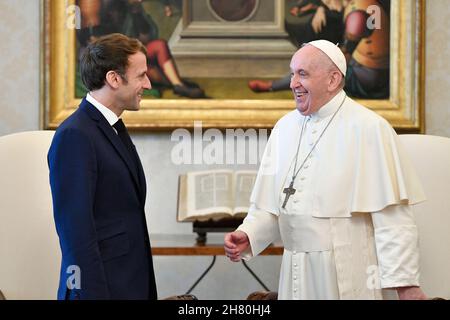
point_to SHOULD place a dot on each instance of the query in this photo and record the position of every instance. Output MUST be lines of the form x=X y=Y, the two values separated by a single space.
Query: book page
x=182 y=198
x=244 y=182
x=210 y=192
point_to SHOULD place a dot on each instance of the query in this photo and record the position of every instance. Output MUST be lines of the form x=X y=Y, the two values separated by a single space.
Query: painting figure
x=100 y=17
x=366 y=47
x=365 y=44
x=316 y=19
x=309 y=20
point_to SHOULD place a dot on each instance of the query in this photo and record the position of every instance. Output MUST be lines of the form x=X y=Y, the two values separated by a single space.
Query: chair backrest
x=431 y=157
x=29 y=250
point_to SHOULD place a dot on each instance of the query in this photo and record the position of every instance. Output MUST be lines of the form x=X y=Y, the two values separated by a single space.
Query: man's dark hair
x=107 y=53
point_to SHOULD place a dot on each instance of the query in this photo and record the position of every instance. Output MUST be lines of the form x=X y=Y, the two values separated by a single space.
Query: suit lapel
x=108 y=131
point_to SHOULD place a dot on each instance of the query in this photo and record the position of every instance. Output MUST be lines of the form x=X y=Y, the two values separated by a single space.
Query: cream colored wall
x=19 y=65
x=437 y=88
x=19 y=111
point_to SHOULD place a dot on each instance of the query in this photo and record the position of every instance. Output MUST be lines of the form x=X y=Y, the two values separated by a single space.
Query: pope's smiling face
x=310 y=79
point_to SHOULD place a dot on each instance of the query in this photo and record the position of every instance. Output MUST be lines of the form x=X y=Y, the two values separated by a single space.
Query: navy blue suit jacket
x=98 y=202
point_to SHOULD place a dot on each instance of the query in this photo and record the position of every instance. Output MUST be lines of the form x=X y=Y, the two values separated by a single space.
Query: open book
x=214 y=194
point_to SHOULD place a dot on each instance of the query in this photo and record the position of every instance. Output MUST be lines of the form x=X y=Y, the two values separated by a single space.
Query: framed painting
x=226 y=62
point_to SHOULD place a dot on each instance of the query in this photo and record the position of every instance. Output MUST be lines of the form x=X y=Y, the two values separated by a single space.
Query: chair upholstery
x=430 y=155
x=29 y=248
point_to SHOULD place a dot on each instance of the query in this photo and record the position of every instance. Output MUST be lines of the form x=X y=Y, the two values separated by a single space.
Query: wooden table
x=186 y=245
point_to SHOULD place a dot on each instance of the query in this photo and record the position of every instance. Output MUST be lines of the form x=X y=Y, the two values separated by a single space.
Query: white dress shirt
x=109 y=115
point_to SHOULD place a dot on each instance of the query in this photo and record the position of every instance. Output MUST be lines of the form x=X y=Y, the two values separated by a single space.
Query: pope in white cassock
x=336 y=185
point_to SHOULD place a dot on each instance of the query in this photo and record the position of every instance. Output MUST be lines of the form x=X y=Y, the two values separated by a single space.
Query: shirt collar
x=330 y=107
x=110 y=116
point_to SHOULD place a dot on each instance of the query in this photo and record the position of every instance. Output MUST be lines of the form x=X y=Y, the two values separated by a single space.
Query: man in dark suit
x=97 y=181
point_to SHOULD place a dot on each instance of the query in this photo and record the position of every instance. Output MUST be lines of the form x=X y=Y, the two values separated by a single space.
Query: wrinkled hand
x=319 y=20
x=294 y=11
x=411 y=293
x=235 y=243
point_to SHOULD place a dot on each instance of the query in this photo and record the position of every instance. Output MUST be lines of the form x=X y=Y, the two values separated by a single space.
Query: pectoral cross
x=289 y=192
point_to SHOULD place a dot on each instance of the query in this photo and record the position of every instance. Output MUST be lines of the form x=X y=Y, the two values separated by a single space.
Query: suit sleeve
x=73 y=174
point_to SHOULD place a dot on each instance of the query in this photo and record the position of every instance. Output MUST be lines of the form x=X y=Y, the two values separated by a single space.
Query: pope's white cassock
x=349 y=229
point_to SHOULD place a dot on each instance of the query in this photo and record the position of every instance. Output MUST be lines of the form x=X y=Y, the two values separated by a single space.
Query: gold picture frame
x=404 y=109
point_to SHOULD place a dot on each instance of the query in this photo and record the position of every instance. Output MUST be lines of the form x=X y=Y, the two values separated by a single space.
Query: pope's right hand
x=235 y=243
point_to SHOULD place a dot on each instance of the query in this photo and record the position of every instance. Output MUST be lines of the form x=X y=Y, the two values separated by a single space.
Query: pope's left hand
x=411 y=293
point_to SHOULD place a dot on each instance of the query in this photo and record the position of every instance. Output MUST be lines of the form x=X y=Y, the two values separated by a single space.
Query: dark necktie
x=122 y=132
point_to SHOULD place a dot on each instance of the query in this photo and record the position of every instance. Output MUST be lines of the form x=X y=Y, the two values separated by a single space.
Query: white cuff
x=398 y=255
